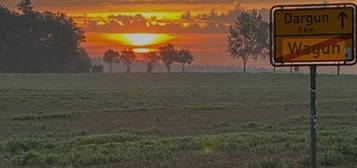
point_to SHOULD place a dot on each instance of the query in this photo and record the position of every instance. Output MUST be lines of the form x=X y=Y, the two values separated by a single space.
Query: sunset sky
x=144 y=25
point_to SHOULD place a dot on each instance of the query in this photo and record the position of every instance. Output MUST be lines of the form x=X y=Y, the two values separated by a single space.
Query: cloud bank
x=212 y=22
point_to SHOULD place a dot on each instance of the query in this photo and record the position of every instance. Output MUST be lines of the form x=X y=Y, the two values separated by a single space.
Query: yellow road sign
x=314 y=21
x=310 y=35
x=314 y=48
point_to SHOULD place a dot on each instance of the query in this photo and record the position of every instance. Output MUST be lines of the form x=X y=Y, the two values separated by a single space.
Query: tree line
x=166 y=54
x=33 y=41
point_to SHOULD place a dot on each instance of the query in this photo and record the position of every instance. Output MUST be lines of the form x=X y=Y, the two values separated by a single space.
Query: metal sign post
x=313 y=35
x=313 y=116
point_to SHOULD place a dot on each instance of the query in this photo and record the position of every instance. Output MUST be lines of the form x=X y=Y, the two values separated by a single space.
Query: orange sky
x=113 y=24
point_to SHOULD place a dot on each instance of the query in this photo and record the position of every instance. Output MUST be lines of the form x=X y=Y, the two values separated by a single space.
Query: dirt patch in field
x=171 y=122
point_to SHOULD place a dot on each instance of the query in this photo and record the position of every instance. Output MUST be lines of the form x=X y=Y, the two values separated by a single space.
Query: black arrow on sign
x=342 y=17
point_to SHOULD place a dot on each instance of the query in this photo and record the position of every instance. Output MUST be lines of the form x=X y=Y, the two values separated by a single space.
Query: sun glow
x=147 y=15
x=143 y=50
x=139 y=39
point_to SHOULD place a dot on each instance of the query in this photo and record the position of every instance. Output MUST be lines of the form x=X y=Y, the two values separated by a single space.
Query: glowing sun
x=140 y=39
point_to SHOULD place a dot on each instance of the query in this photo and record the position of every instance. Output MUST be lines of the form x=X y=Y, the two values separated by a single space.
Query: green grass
x=174 y=120
x=101 y=149
x=44 y=116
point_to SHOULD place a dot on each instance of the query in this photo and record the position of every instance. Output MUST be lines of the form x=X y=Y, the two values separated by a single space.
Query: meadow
x=174 y=120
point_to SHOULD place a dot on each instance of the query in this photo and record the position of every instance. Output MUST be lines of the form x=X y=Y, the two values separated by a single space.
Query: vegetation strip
x=100 y=149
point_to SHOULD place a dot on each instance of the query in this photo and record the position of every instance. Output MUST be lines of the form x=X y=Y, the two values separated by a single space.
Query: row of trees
x=32 y=41
x=126 y=56
x=166 y=54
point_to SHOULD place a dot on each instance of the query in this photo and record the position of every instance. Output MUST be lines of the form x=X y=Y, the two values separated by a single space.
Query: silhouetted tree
x=32 y=41
x=184 y=57
x=248 y=37
x=338 y=70
x=127 y=57
x=151 y=58
x=168 y=55
x=25 y=6
x=97 y=68
x=82 y=63
x=110 y=57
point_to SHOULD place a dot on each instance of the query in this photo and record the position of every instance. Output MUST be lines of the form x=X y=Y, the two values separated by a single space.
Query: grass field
x=174 y=120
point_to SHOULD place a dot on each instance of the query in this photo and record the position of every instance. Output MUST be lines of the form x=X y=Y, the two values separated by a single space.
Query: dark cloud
x=135 y=24
x=211 y=22
x=86 y=3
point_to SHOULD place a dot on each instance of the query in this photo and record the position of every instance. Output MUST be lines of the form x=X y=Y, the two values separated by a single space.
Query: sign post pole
x=313 y=117
x=313 y=35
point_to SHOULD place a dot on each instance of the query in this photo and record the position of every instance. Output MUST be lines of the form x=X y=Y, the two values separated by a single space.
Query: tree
x=8 y=38
x=151 y=58
x=25 y=6
x=97 y=68
x=110 y=57
x=168 y=55
x=248 y=37
x=33 y=41
x=83 y=62
x=184 y=57
x=338 y=70
x=127 y=57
